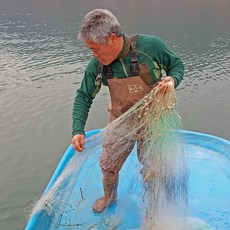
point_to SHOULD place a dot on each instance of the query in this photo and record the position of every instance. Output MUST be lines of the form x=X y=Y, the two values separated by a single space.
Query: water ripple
x=35 y=55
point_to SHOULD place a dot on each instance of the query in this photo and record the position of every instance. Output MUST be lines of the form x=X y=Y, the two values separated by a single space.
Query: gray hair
x=97 y=25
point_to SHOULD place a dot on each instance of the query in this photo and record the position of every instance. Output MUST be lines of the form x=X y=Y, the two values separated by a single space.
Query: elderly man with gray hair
x=130 y=66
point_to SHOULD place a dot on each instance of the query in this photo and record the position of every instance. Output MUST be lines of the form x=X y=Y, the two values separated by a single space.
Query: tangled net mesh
x=154 y=123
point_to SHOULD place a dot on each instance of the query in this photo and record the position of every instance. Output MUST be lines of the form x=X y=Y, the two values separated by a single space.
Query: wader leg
x=146 y=171
x=110 y=182
x=111 y=162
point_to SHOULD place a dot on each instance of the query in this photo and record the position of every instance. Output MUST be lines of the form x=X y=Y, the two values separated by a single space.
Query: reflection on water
x=42 y=65
x=36 y=53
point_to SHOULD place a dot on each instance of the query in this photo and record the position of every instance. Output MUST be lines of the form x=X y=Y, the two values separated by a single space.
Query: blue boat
x=208 y=160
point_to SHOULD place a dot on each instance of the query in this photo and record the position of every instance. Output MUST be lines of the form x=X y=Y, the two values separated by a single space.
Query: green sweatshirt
x=153 y=57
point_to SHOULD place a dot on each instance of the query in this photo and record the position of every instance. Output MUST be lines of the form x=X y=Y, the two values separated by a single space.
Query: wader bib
x=124 y=93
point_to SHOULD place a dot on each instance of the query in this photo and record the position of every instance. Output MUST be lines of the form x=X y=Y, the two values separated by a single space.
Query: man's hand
x=166 y=84
x=167 y=79
x=78 y=142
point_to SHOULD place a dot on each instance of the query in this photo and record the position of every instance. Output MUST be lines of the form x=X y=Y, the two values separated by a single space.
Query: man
x=130 y=67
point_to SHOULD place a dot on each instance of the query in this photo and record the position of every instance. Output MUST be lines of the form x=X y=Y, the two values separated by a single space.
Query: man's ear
x=112 y=39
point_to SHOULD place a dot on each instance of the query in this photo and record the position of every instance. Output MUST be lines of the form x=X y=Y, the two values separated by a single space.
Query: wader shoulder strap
x=106 y=69
x=98 y=79
x=134 y=66
x=108 y=72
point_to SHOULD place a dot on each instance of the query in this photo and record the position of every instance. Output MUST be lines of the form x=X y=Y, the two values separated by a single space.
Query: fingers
x=165 y=85
x=169 y=80
x=78 y=142
x=78 y=147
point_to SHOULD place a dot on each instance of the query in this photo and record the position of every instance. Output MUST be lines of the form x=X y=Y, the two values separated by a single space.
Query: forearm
x=172 y=64
x=176 y=71
x=81 y=108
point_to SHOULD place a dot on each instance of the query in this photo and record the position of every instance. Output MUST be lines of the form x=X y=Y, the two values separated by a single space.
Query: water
x=42 y=65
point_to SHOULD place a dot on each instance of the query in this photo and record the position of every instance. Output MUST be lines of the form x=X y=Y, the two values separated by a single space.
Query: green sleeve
x=84 y=98
x=171 y=63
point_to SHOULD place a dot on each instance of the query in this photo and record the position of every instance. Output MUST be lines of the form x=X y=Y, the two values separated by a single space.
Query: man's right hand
x=78 y=142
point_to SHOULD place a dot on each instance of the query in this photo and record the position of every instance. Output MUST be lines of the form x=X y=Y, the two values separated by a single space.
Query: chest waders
x=124 y=93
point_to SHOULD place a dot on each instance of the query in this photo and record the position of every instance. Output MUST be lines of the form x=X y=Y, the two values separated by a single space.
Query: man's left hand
x=166 y=84
x=167 y=80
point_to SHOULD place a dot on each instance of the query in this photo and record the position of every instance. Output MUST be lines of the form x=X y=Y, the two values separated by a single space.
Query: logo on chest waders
x=135 y=88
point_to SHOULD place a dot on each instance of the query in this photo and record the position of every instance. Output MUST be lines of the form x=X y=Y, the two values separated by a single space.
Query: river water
x=42 y=65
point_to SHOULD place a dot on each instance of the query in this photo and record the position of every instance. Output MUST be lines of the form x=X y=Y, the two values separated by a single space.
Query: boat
x=208 y=160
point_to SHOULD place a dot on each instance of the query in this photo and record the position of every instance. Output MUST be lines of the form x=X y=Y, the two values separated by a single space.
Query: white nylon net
x=154 y=123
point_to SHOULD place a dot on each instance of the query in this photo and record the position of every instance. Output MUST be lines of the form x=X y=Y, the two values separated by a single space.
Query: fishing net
x=159 y=181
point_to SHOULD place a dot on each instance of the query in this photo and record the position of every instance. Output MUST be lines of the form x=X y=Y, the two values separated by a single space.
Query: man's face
x=104 y=53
